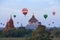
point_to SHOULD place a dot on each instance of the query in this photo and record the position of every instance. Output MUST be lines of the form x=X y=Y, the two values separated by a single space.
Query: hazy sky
x=38 y=7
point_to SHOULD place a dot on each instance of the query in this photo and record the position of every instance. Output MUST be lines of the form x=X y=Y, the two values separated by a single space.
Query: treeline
x=19 y=32
x=41 y=33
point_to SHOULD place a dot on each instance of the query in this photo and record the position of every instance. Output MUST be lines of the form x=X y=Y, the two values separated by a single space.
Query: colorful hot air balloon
x=54 y=13
x=25 y=11
x=14 y=16
x=45 y=16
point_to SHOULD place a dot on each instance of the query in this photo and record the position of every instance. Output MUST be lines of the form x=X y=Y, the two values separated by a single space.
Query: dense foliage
x=41 y=33
x=20 y=32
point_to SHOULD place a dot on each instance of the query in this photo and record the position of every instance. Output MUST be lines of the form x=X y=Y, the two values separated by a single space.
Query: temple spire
x=10 y=16
x=33 y=19
x=9 y=24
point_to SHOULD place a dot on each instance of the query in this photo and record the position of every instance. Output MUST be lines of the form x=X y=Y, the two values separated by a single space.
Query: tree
x=55 y=31
x=21 y=32
x=40 y=34
x=28 y=32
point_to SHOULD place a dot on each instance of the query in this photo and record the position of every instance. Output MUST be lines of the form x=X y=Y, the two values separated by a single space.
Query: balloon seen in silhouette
x=3 y=24
x=17 y=22
x=49 y=24
x=52 y=22
x=54 y=13
x=45 y=16
x=14 y=16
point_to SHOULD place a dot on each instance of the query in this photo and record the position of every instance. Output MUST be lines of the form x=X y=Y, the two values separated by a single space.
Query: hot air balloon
x=54 y=13
x=14 y=16
x=52 y=22
x=45 y=16
x=49 y=24
x=1 y=23
x=25 y=11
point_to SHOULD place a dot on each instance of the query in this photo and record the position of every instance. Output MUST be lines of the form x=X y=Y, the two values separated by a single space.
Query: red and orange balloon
x=25 y=11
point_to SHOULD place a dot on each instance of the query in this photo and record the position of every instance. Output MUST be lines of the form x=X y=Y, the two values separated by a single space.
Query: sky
x=36 y=7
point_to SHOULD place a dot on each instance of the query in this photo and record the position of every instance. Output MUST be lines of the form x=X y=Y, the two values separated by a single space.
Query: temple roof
x=33 y=19
x=10 y=21
x=9 y=24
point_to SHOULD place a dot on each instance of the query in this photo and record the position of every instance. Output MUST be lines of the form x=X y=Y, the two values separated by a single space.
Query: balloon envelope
x=17 y=22
x=53 y=13
x=1 y=23
x=49 y=24
x=14 y=16
x=45 y=16
x=25 y=11
x=52 y=22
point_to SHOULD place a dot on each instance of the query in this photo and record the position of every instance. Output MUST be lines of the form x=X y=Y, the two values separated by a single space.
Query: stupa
x=9 y=25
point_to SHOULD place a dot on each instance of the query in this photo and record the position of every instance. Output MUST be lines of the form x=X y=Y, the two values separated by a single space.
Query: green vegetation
x=41 y=33
x=20 y=32
x=12 y=38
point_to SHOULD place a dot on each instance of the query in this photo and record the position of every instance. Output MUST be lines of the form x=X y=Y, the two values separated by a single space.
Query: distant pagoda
x=9 y=25
x=33 y=23
x=33 y=20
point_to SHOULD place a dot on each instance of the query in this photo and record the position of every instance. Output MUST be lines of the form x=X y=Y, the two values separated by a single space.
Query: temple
x=9 y=25
x=33 y=20
x=33 y=23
